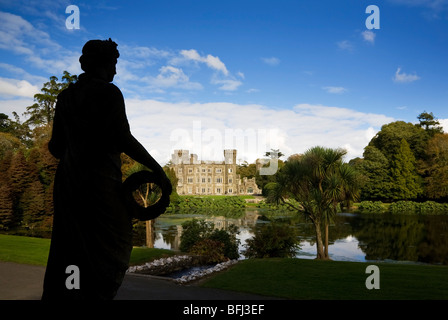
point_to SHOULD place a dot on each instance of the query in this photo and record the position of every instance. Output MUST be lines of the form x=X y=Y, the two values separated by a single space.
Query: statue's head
x=99 y=58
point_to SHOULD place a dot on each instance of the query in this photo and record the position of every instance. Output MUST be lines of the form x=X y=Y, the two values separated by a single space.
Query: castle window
x=179 y=170
x=230 y=170
x=230 y=180
x=190 y=180
x=218 y=190
x=203 y=180
x=230 y=190
x=190 y=170
x=218 y=180
x=218 y=170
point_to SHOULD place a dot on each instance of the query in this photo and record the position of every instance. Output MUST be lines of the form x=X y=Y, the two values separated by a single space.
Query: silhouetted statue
x=92 y=227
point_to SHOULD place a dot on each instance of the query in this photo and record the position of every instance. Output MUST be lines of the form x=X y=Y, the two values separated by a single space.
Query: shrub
x=371 y=207
x=273 y=240
x=197 y=235
x=403 y=207
x=209 y=250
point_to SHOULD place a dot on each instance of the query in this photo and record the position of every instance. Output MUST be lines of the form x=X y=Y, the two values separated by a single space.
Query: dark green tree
x=375 y=168
x=435 y=168
x=388 y=139
x=406 y=183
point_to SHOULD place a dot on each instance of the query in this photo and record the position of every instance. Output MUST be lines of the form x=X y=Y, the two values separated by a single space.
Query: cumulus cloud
x=207 y=128
x=173 y=77
x=211 y=61
x=17 y=88
x=402 y=77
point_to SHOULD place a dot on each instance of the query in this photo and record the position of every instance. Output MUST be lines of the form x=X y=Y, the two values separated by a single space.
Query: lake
x=353 y=237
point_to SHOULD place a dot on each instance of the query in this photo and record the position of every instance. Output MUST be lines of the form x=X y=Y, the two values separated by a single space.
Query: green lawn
x=34 y=251
x=313 y=279
x=287 y=278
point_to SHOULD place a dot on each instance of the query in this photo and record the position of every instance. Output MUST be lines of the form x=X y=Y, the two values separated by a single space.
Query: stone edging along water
x=167 y=266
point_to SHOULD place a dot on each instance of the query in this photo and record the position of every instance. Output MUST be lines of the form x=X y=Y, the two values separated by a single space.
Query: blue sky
x=251 y=75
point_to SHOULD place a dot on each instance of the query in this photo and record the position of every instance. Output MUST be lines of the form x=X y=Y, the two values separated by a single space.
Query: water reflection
x=353 y=237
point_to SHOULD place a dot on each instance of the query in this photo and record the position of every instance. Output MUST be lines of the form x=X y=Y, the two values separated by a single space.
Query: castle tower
x=230 y=156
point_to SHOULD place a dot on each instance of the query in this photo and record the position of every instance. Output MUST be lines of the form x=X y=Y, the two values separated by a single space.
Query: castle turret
x=230 y=156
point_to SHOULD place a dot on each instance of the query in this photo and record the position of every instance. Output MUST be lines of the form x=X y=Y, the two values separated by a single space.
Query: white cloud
x=8 y=106
x=17 y=88
x=170 y=76
x=207 y=128
x=20 y=37
x=211 y=61
x=335 y=90
x=273 y=61
x=227 y=84
x=369 y=36
x=444 y=124
x=402 y=77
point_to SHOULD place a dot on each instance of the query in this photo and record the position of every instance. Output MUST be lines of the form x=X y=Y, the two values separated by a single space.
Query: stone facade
x=197 y=177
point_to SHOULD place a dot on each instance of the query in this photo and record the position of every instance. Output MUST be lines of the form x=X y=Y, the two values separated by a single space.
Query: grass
x=28 y=250
x=25 y=250
x=286 y=278
x=314 y=279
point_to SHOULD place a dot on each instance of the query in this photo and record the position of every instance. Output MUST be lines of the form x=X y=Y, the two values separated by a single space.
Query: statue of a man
x=92 y=227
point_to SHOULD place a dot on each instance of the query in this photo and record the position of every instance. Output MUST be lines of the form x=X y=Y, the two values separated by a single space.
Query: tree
x=42 y=111
x=318 y=181
x=429 y=123
x=388 y=139
x=375 y=169
x=435 y=168
x=405 y=181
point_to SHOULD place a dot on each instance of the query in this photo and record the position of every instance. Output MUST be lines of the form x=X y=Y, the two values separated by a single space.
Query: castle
x=210 y=177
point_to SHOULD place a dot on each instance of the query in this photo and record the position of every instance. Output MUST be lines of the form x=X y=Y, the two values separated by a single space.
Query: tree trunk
x=326 y=241
x=319 y=243
x=149 y=234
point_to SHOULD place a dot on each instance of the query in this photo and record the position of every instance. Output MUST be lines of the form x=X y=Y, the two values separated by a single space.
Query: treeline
x=406 y=161
x=27 y=168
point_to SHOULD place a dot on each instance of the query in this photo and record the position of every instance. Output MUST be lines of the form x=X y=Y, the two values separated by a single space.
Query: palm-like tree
x=318 y=181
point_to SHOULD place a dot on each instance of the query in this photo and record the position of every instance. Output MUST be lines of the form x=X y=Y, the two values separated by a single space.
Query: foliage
x=319 y=182
x=42 y=111
x=374 y=168
x=371 y=207
x=223 y=202
x=195 y=231
x=411 y=207
x=435 y=169
x=27 y=168
x=209 y=250
x=273 y=240
x=405 y=181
